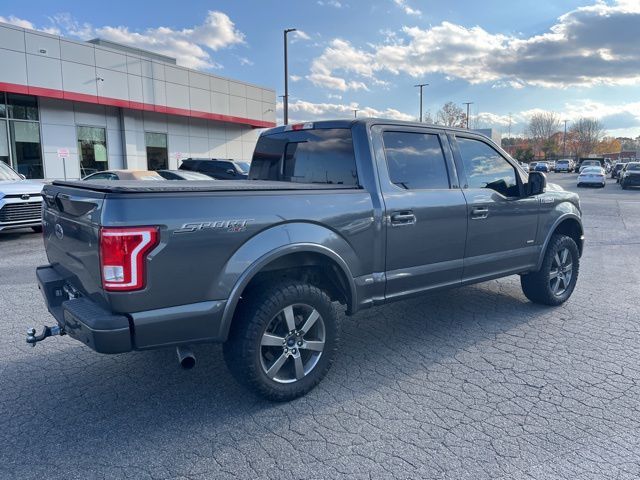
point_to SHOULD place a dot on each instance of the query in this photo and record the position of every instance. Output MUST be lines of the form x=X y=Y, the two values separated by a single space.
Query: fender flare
x=259 y=263
x=552 y=230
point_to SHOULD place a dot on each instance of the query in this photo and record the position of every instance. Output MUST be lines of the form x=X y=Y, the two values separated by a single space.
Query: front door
x=502 y=222
x=425 y=211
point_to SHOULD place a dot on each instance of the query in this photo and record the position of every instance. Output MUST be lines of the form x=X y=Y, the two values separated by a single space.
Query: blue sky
x=576 y=58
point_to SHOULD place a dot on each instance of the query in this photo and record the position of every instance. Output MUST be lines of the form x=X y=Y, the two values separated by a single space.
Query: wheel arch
x=327 y=258
x=568 y=224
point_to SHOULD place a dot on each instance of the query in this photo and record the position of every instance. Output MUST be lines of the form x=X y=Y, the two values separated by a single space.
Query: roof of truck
x=346 y=123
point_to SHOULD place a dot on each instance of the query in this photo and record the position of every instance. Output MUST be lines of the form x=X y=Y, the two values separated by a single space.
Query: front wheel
x=283 y=340
x=554 y=283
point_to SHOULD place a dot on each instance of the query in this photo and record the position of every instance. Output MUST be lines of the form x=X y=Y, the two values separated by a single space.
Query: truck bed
x=177 y=186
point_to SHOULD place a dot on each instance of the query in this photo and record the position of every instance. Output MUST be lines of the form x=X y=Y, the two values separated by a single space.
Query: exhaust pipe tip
x=186 y=358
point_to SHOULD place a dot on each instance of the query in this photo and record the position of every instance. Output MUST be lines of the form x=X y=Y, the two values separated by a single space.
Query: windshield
x=633 y=166
x=243 y=166
x=592 y=170
x=563 y=162
x=594 y=163
x=7 y=173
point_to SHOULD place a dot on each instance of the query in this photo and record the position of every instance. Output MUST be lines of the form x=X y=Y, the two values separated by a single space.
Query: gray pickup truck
x=357 y=212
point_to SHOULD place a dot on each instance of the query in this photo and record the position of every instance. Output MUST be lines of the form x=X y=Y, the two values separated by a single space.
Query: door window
x=92 y=146
x=415 y=160
x=157 y=152
x=486 y=168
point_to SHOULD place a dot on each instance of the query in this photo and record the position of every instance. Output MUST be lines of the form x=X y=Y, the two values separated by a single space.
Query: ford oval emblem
x=59 y=231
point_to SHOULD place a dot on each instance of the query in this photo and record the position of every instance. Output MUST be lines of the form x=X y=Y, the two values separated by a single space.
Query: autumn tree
x=608 y=145
x=586 y=134
x=542 y=128
x=451 y=115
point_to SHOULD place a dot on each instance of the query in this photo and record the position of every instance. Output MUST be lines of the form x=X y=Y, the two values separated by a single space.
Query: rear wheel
x=283 y=340
x=554 y=283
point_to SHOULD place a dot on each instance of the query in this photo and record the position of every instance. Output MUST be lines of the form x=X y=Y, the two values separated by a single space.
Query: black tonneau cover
x=176 y=186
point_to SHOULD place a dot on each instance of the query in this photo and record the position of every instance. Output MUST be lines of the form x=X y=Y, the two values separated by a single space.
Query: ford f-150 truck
x=359 y=213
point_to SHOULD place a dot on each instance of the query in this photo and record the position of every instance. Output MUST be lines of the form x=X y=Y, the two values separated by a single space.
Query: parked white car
x=20 y=200
x=592 y=176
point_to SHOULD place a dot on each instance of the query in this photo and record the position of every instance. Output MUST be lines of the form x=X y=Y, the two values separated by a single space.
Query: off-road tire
x=242 y=351
x=536 y=286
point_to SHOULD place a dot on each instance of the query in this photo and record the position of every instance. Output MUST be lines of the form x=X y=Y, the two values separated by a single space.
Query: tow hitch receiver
x=32 y=338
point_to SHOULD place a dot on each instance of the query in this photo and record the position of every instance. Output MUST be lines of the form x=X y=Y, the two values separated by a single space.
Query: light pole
x=564 y=140
x=285 y=102
x=421 y=86
x=467 y=104
x=355 y=113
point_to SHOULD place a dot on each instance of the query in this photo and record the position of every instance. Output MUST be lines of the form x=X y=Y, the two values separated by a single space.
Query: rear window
x=306 y=156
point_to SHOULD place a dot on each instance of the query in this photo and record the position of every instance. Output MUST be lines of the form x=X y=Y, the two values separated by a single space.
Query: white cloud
x=295 y=78
x=300 y=35
x=588 y=46
x=330 y=3
x=300 y=111
x=20 y=22
x=407 y=9
x=244 y=61
x=190 y=46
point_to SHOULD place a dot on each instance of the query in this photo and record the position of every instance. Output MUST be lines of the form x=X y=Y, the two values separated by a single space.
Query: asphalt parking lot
x=472 y=383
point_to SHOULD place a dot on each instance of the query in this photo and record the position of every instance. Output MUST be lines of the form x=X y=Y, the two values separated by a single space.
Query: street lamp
x=355 y=113
x=467 y=104
x=421 y=86
x=285 y=99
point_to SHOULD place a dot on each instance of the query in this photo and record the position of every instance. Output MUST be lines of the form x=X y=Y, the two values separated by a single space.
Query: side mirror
x=537 y=184
x=231 y=171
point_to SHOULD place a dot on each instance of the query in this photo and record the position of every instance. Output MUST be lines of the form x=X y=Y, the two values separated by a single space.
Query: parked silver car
x=20 y=200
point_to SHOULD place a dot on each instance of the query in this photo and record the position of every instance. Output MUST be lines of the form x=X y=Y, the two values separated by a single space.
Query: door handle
x=400 y=219
x=478 y=213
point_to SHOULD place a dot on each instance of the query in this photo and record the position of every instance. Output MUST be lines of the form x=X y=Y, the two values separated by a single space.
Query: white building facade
x=68 y=108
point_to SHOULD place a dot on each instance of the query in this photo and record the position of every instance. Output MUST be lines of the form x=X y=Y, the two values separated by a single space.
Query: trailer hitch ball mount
x=32 y=338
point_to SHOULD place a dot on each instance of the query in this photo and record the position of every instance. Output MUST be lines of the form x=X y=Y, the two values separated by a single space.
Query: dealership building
x=70 y=108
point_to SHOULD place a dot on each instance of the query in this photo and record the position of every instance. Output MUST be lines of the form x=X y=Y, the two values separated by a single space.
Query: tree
x=524 y=155
x=586 y=134
x=542 y=127
x=451 y=115
x=609 y=145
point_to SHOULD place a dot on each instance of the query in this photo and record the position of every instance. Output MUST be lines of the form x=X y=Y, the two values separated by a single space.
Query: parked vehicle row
x=630 y=175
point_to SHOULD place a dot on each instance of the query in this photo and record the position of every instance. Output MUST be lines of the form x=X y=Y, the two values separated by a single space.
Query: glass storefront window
x=4 y=142
x=157 y=152
x=25 y=148
x=22 y=107
x=92 y=148
x=3 y=107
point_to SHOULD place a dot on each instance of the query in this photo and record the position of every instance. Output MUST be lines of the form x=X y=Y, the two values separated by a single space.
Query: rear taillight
x=123 y=254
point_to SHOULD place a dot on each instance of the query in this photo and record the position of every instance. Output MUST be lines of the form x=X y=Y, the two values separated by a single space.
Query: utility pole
x=285 y=102
x=564 y=140
x=509 y=124
x=467 y=104
x=421 y=86
x=355 y=113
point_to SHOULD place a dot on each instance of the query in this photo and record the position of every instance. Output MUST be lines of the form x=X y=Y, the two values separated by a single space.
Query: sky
x=510 y=58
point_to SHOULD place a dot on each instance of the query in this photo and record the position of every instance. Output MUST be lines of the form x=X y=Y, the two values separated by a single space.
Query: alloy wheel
x=561 y=272
x=292 y=343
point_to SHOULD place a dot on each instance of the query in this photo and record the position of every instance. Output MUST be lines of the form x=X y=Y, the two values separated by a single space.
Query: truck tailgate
x=71 y=220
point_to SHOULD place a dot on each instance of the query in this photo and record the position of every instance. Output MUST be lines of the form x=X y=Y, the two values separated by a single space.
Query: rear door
x=502 y=222
x=426 y=212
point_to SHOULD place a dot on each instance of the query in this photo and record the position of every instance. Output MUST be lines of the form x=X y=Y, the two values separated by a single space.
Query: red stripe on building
x=115 y=102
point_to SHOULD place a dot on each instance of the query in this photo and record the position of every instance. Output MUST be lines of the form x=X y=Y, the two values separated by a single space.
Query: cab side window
x=415 y=160
x=486 y=168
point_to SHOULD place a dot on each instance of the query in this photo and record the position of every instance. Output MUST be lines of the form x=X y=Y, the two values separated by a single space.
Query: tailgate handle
x=75 y=206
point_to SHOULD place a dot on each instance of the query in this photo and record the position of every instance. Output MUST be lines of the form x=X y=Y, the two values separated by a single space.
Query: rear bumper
x=109 y=332
x=83 y=319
